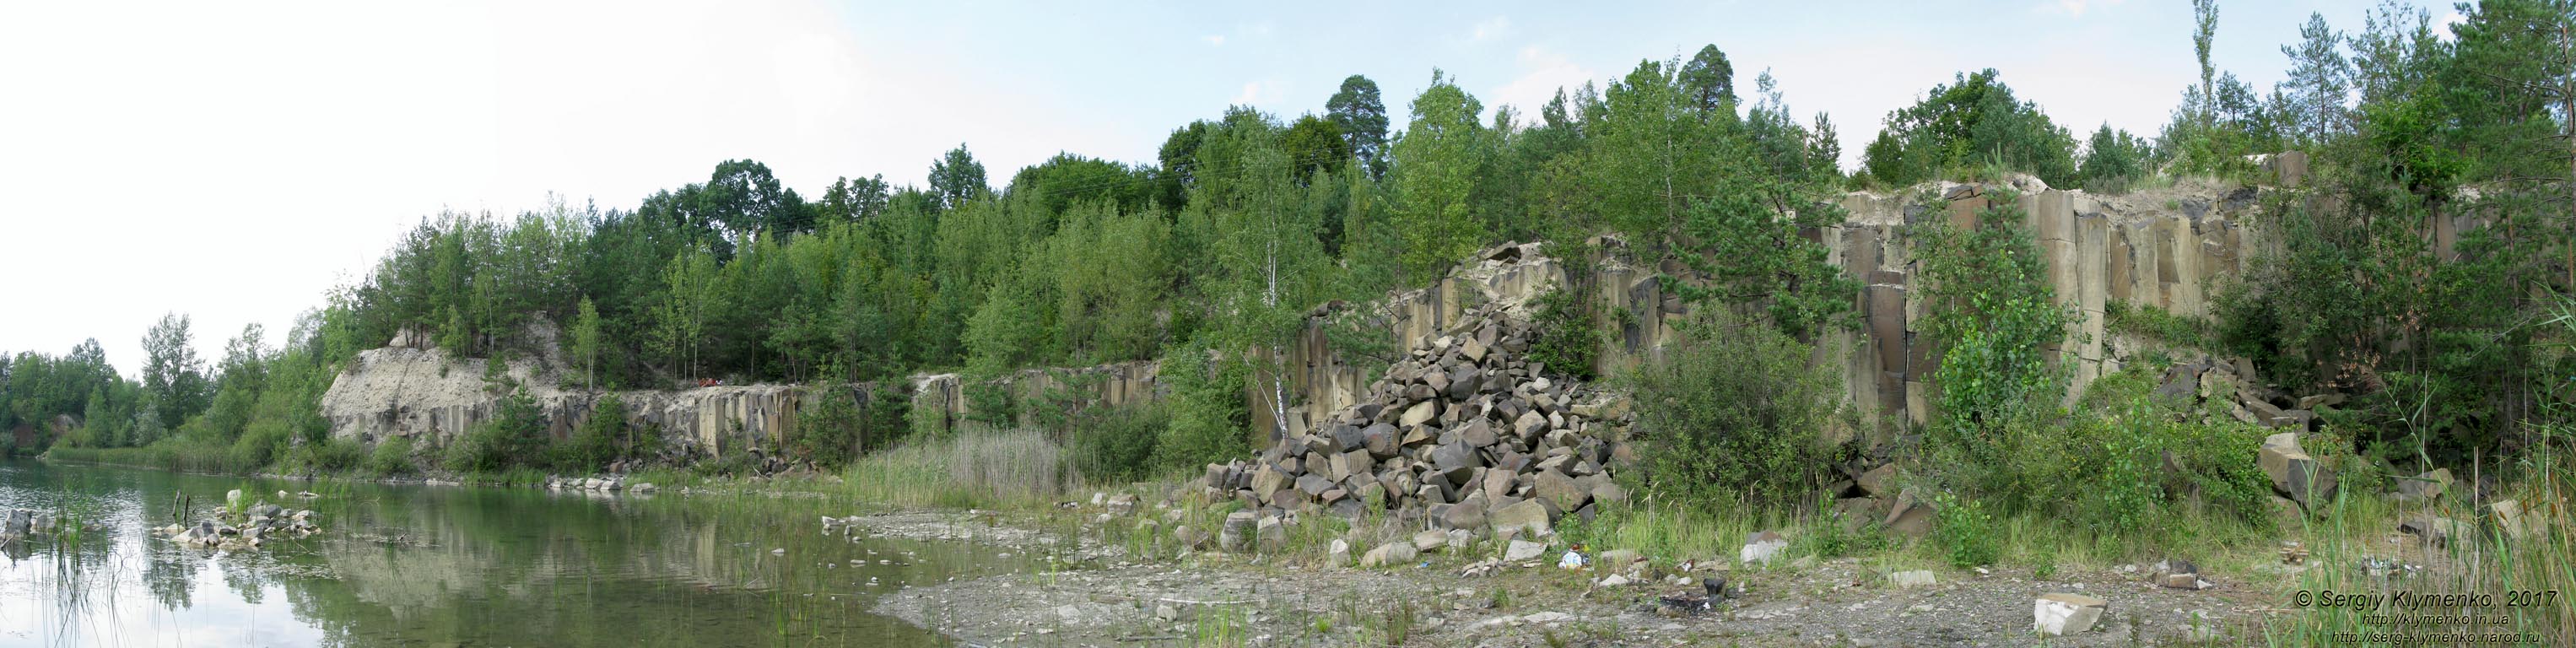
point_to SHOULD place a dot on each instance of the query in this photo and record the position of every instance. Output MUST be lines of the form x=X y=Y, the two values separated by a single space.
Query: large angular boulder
x=2424 y=487
x=1455 y=456
x=1477 y=433
x=1462 y=382
x=1561 y=490
x=1528 y=517
x=2295 y=474
x=1876 y=482
x=1236 y=534
x=1383 y=440
x=1911 y=515
x=1420 y=413
x=1469 y=515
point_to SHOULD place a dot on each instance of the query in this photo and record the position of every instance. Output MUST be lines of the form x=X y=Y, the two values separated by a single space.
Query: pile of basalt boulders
x=1464 y=432
x=257 y=524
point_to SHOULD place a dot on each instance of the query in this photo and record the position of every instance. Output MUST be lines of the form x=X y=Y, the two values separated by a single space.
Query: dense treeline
x=1247 y=219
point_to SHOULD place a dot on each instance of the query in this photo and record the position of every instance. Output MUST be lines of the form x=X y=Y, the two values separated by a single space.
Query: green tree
x=680 y=320
x=1993 y=315
x=855 y=200
x=586 y=342
x=172 y=373
x=2204 y=30
x=744 y=198
x=1708 y=82
x=956 y=178
x=1747 y=240
x=1005 y=332
x=1969 y=123
x=1356 y=110
x=1114 y=267
x=1067 y=180
x=1651 y=155
x=1315 y=145
x=2317 y=82
x=1435 y=167
x=2112 y=160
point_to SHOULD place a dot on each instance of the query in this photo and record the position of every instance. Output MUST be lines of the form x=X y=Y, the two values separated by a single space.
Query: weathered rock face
x=424 y=393
x=1463 y=425
x=407 y=391
x=2146 y=250
x=2136 y=249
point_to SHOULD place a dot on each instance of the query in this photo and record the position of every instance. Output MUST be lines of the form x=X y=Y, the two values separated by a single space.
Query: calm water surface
x=408 y=565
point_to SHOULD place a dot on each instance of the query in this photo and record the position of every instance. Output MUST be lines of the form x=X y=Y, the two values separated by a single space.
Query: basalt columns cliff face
x=2165 y=248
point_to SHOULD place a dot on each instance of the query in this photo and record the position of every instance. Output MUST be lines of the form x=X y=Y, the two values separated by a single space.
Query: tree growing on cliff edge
x=1650 y=155
x=1708 y=80
x=1355 y=108
x=1966 y=124
x=1436 y=165
x=586 y=341
x=2113 y=160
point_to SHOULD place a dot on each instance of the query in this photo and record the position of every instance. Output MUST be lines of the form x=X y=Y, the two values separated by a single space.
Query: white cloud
x=1542 y=72
x=1258 y=93
x=1491 y=28
x=1217 y=40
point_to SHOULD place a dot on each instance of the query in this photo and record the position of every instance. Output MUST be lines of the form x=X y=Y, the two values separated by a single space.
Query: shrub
x=1734 y=412
x=1828 y=538
x=594 y=444
x=2146 y=467
x=1993 y=314
x=1565 y=334
x=261 y=444
x=332 y=456
x=392 y=456
x=1964 y=532
x=827 y=430
x=515 y=437
x=2155 y=323
x=1116 y=444
x=1208 y=421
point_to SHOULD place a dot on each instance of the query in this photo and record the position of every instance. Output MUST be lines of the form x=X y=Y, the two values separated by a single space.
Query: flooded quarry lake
x=419 y=565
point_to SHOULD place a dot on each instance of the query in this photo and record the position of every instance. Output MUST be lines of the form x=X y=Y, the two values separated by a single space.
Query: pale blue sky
x=235 y=161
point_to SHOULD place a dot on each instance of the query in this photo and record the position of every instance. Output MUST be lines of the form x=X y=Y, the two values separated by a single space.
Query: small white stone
x=2064 y=614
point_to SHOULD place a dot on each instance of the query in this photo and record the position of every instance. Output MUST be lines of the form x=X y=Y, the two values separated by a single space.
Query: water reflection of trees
x=564 y=569
x=520 y=567
x=170 y=581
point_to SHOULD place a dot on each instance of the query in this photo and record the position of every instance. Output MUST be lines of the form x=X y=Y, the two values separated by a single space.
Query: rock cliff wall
x=401 y=390
x=2159 y=248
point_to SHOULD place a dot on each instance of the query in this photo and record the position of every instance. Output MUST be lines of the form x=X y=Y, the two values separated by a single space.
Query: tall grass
x=180 y=455
x=2492 y=561
x=974 y=467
